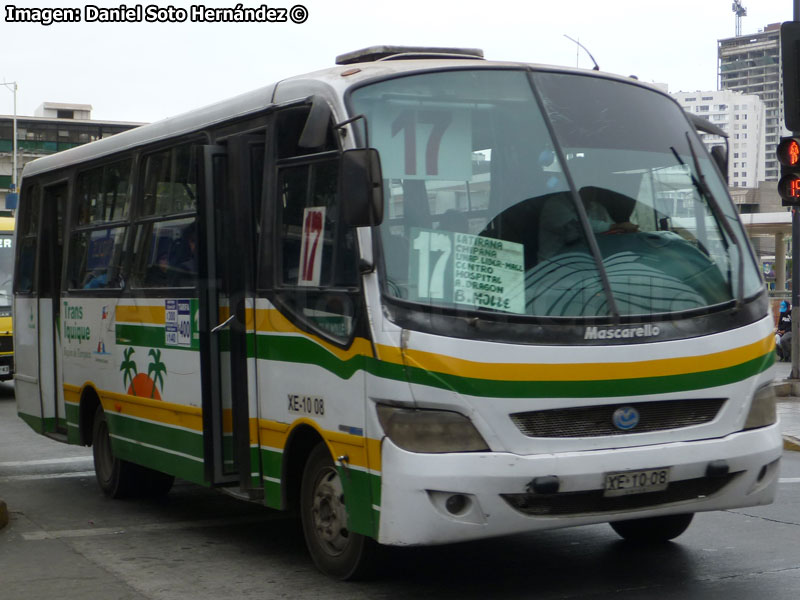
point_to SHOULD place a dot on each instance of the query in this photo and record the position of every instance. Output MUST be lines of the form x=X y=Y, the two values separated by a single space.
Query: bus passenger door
x=223 y=338
x=48 y=282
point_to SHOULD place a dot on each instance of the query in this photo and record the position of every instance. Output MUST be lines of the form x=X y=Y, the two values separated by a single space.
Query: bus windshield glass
x=6 y=269
x=550 y=195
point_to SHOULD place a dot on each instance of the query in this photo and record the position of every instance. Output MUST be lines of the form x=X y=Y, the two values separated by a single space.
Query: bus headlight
x=762 y=409
x=433 y=431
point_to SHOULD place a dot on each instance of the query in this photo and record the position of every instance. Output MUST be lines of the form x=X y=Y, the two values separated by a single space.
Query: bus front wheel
x=653 y=529
x=335 y=550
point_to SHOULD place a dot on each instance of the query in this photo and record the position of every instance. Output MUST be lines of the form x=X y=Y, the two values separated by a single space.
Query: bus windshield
x=6 y=270
x=549 y=195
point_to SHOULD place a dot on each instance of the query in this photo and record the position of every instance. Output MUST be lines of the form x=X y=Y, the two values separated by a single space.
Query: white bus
x=420 y=297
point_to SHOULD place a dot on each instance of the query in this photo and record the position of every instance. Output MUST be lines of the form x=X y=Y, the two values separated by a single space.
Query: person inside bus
x=783 y=334
x=98 y=278
x=560 y=227
x=184 y=264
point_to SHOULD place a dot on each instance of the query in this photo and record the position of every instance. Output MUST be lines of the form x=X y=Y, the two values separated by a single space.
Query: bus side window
x=316 y=265
x=166 y=242
x=27 y=233
x=101 y=227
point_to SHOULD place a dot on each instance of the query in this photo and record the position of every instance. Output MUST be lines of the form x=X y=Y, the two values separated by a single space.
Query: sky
x=145 y=71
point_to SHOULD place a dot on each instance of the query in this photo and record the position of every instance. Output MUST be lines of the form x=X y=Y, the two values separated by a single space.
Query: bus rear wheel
x=119 y=478
x=115 y=477
x=336 y=551
x=653 y=529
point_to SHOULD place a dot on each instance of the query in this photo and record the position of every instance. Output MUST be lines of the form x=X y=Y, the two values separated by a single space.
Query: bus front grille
x=6 y=343
x=593 y=501
x=596 y=421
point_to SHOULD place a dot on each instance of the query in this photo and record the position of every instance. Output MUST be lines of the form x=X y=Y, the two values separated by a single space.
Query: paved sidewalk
x=788 y=391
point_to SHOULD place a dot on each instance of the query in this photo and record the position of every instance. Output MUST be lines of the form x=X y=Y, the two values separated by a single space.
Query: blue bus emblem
x=625 y=418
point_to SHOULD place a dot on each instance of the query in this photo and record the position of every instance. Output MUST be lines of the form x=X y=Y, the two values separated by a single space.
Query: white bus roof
x=331 y=83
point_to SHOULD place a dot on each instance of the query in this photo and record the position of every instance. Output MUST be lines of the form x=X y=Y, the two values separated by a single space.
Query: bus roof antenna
x=596 y=66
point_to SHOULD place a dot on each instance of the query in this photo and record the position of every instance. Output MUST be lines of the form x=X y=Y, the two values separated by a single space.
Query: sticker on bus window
x=468 y=269
x=424 y=143
x=312 y=246
x=180 y=323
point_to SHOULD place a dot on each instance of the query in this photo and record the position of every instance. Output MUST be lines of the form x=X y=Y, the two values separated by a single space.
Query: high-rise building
x=742 y=117
x=751 y=64
x=54 y=127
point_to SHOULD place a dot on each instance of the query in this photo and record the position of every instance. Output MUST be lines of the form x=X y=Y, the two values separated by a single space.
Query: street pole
x=12 y=85
x=795 y=374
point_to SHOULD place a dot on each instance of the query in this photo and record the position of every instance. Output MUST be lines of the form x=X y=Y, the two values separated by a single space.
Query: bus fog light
x=456 y=504
x=433 y=431
x=762 y=409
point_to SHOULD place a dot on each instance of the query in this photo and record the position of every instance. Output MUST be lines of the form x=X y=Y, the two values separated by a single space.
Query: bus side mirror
x=720 y=156
x=361 y=187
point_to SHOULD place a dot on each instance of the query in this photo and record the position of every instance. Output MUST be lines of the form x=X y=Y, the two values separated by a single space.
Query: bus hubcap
x=328 y=512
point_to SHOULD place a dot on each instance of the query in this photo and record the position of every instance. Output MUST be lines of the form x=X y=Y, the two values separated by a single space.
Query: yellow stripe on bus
x=271 y=320
x=631 y=369
x=360 y=451
x=154 y=315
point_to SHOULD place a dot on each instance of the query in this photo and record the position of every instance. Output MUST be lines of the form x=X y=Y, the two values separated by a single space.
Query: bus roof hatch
x=374 y=53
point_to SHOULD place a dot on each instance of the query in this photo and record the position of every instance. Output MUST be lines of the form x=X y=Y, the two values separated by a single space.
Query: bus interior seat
x=619 y=206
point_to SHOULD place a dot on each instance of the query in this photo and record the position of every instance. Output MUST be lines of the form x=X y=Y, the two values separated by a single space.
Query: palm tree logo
x=157 y=368
x=127 y=367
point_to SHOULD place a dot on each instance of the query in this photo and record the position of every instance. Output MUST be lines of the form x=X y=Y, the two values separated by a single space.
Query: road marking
x=33 y=536
x=46 y=461
x=789 y=480
x=10 y=478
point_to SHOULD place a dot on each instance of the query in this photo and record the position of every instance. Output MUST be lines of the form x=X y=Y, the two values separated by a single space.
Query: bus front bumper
x=443 y=498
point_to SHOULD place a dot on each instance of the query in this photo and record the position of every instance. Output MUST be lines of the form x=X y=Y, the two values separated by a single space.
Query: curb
x=791 y=443
x=3 y=514
x=787 y=387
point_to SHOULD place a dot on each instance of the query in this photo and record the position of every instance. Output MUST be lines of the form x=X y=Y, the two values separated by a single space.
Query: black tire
x=336 y=551
x=117 y=478
x=653 y=529
x=154 y=484
x=120 y=478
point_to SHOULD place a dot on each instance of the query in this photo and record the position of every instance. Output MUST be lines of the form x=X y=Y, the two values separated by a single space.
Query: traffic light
x=790 y=73
x=789 y=184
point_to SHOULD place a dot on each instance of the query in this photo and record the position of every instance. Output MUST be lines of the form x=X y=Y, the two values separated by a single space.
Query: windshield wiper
x=699 y=182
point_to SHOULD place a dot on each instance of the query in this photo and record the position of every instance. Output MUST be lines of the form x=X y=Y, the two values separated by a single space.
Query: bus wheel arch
x=116 y=477
x=90 y=400
x=298 y=448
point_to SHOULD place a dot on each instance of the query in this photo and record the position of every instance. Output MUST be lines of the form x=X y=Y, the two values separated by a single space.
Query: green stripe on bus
x=304 y=351
x=150 y=336
x=155 y=434
x=140 y=335
x=175 y=451
x=159 y=459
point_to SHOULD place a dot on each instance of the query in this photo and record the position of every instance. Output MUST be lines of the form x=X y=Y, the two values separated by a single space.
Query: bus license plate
x=622 y=483
x=5 y=369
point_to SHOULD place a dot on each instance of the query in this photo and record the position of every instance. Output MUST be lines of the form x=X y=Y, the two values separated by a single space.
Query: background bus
x=6 y=297
x=419 y=300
